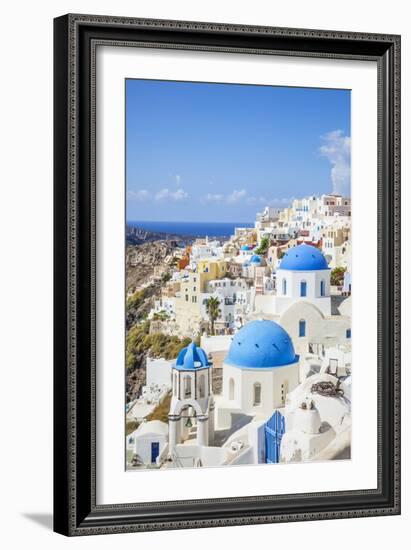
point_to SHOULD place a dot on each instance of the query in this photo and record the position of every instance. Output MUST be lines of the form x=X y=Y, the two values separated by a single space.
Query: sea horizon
x=198 y=229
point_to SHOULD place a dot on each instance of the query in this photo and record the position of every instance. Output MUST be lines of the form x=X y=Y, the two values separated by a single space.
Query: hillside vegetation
x=139 y=342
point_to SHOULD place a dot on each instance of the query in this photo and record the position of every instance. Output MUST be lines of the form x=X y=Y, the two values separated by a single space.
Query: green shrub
x=134 y=301
x=161 y=411
x=135 y=343
x=165 y=277
x=161 y=316
x=264 y=244
x=131 y=425
x=139 y=341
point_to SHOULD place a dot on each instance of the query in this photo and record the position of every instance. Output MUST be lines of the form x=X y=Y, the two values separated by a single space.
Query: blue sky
x=221 y=152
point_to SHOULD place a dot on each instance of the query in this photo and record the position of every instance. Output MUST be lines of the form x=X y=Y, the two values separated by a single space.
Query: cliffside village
x=269 y=377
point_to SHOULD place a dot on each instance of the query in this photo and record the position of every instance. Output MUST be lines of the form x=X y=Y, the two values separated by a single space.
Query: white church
x=259 y=370
x=191 y=397
x=303 y=276
x=302 y=302
x=266 y=394
x=261 y=367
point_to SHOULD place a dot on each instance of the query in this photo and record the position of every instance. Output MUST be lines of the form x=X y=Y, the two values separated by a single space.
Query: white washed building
x=303 y=276
x=260 y=369
x=148 y=441
x=226 y=291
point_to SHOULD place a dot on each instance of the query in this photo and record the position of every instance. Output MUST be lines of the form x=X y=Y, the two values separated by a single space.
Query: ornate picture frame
x=76 y=38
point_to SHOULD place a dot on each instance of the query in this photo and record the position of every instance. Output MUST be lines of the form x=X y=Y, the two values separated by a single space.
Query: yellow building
x=210 y=269
x=286 y=215
x=187 y=304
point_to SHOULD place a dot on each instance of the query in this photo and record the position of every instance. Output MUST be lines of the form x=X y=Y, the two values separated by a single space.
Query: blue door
x=303 y=288
x=274 y=430
x=155 y=451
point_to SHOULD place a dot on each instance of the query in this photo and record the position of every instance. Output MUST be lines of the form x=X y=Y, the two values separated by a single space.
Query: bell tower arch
x=192 y=401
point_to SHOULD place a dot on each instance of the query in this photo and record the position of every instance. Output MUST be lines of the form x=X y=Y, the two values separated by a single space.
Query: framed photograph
x=227 y=274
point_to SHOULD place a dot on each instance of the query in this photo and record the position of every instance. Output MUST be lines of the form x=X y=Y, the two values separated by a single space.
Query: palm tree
x=213 y=310
x=337 y=276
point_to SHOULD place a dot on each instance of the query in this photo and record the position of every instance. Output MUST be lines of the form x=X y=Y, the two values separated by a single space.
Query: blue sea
x=195 y=229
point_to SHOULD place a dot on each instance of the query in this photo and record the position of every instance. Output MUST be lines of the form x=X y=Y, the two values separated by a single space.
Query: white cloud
x=214 y=197
x=166 y=194
x=231 y=198
x=242 y=195
x=179 y=194
x=337 y=149
x=236 y=196
x=140 y=196
x=163 y=194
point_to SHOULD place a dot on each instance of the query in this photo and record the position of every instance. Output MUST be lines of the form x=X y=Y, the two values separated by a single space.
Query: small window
x=187 y=386
x=322 y=288
x=186 y=297
x=201 y=386
x=348 y=333
x=301 y=328
x=284 y=283
x=257 y=394
x=231 y=389
x=284 y=389
x=303 y=288
x=332 y=366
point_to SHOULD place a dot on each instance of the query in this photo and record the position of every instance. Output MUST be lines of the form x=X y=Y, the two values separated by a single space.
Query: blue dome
x=303 y=257
x=255 y=259
x=261 y=345
x=192 y=358
x=245 y=247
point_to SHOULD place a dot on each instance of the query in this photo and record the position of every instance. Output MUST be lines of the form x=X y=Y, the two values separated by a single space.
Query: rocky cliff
x=147 y=261
x=147 y=266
